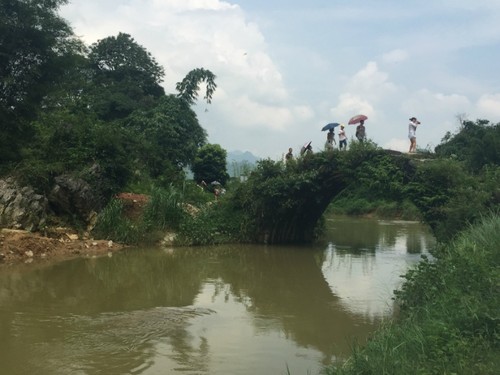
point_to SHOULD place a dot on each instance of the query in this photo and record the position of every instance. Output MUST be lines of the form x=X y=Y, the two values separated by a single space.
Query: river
x=231 y=309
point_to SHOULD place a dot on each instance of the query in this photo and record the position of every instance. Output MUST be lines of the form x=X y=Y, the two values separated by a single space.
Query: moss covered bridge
x=286 y=201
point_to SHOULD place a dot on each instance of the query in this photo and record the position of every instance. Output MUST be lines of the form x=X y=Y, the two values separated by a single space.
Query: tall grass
x=449 y=313
x=112 y=225
x=164 y=209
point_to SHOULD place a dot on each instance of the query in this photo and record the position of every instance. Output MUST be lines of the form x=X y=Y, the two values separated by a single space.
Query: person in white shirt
x=412 y=130
x=342 y=138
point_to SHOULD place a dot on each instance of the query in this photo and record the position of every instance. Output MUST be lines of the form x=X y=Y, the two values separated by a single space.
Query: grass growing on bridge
x=449 y=320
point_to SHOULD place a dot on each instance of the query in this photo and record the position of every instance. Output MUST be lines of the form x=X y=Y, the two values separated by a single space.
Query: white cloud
x=488 y=107
x=350 y=105
x=395 y=56
x=426 y=103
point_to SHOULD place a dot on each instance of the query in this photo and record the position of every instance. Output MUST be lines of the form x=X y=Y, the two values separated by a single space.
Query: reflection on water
x=365 y=259
x=210 y=310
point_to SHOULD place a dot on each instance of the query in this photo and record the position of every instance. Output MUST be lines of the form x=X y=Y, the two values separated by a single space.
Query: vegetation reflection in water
x=365 y=259
x=226 y=309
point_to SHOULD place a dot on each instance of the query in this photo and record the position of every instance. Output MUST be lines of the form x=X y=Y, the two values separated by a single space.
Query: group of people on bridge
x=330 y=136
x=360 y=136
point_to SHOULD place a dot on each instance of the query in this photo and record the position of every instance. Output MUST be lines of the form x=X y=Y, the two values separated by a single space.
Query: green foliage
x=67 y=143
x=164 y=209
x=284 y=202
x=210 y=164
x=112 y=225
x=448 y=196
x=66 y=109
x=167 y=137
x=188 y=88
x=196 y=194
x=36 y=51
x=125 y=77
x=376 y=183
x=214 y=224
x=476 y=144
x=354 y=205
x=449 y=318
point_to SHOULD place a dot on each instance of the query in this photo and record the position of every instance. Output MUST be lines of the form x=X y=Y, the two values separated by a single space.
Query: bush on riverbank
x=190 y=212
x=163 y=210
x=449 y=313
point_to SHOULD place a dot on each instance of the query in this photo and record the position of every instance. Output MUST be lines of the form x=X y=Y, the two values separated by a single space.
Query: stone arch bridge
x=287 y=201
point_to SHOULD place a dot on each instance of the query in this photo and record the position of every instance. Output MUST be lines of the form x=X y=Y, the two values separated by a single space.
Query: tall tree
x=167 y=137
x=476 y=143
x=36 y=49
x=210 y=164
x=126 y=77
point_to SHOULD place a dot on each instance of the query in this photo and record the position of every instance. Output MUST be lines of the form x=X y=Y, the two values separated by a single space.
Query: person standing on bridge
x=342 y=138
x=412 y=130
x=361 y=131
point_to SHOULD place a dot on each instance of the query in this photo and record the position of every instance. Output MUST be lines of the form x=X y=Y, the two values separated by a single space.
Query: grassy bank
x=449 y=314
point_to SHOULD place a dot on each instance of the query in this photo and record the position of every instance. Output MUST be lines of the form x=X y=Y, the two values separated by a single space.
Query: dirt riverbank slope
x=19 y=246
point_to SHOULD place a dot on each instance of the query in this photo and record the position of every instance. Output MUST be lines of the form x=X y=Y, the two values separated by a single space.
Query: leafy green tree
x=188 y=88
x=166 y=137
x=210 y=164
x=477 y=144
x=448 y=196
x=69 y=143
x=37 y=48
x=126 y=77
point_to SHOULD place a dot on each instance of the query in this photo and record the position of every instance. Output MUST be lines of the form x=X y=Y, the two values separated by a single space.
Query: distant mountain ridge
x=241 y=156
x=239 y=162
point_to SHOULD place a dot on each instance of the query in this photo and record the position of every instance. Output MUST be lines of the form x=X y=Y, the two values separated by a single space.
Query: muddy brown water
x=232 y=309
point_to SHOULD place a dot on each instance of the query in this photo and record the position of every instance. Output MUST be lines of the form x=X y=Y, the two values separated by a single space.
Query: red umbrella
x=357 y=119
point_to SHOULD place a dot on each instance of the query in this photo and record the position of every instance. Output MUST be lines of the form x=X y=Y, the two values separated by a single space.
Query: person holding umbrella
x=330 y=139
x=306 y=149
x=330 y=136
x=412 y=129
x=361 y=131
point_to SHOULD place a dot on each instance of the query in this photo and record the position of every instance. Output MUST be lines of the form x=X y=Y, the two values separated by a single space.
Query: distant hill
x=240 y=156
x=239 y=162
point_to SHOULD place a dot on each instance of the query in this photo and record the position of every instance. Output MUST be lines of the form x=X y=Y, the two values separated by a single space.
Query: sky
x=286 y=68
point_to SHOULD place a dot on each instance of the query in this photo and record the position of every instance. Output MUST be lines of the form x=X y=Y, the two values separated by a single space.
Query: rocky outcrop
x=21 y=207
x=73 y=196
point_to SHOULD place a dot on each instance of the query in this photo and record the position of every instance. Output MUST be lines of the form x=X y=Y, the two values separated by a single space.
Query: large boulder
x=74 y=196
x=21 y=207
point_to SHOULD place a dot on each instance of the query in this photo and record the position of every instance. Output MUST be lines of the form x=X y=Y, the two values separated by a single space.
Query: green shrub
x=217 y=222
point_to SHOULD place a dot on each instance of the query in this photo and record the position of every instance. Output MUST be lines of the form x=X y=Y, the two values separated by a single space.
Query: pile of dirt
x=133 y=204
x=19 y=246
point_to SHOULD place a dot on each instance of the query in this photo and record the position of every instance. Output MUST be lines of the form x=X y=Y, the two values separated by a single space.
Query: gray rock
x=72 y=195
x=21 y=207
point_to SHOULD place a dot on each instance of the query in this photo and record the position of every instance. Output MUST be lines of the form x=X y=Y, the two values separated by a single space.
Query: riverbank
x=20 y=246
x=449 y=319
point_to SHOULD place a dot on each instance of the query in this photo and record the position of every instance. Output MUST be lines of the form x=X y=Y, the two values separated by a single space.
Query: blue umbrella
x=329 y=126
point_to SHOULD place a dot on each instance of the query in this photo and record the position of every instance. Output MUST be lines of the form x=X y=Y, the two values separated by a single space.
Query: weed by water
x=112 y=225
x=164 y=209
